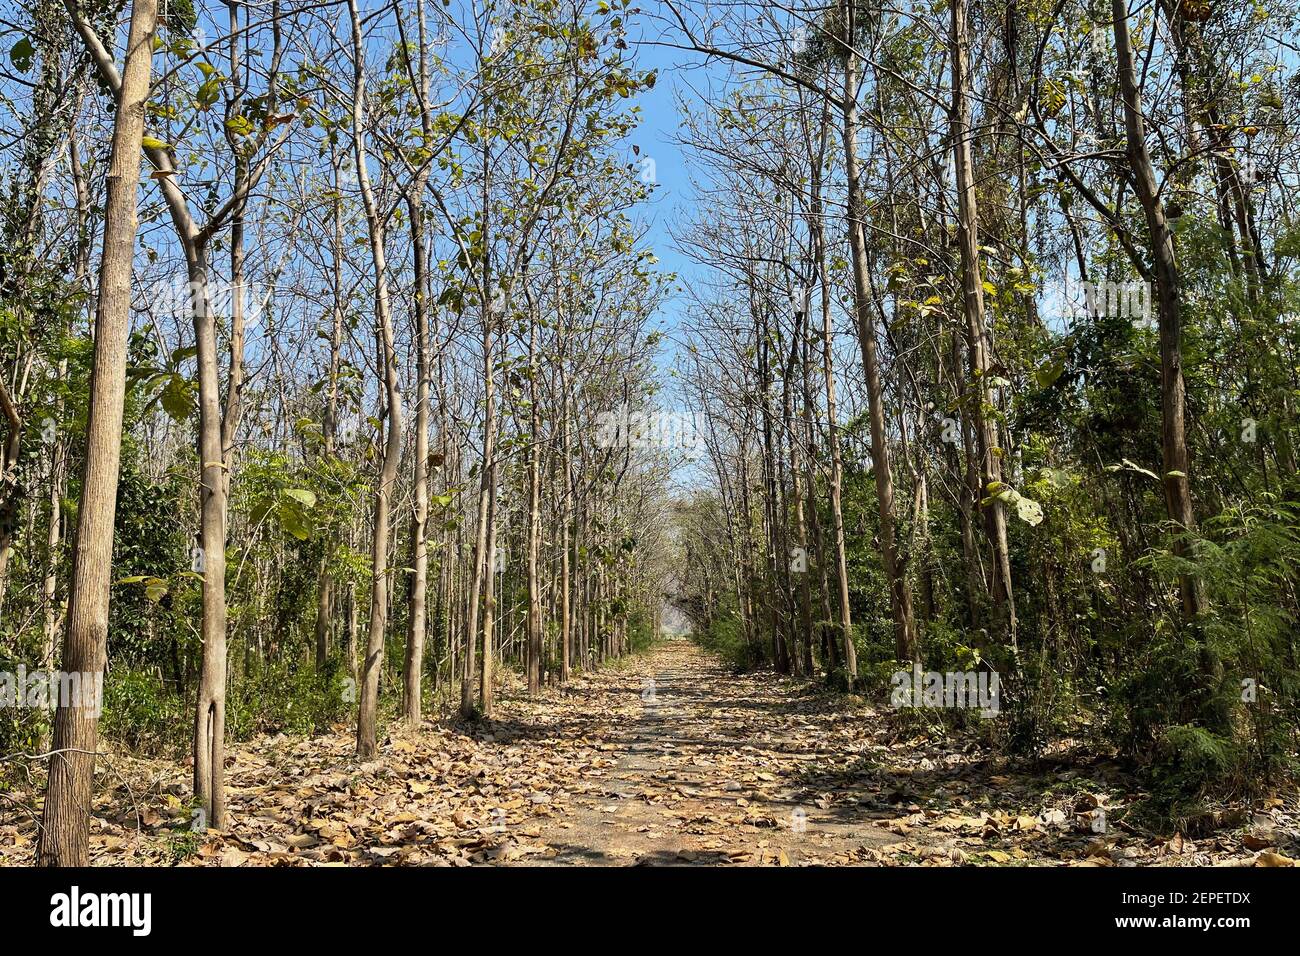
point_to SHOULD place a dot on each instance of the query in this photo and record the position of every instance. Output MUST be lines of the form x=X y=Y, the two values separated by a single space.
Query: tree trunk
x=907 y=647
x=65 y=824
x=976 y=338
x=566 y=535
x=329 y=425
x=414 y=667
x=1173 y=395
x=210 y=710
x=372 y=666
x=534 y=646
x=832 y=425
x=487 y=661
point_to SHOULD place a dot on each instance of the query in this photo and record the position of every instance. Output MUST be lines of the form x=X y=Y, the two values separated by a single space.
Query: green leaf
x=21 y=55
x=183 y=353
x=1047 y=374
x=208 y=92
x=178 y=398
x=295 y=524
x=303 y=495
x=1126 y=465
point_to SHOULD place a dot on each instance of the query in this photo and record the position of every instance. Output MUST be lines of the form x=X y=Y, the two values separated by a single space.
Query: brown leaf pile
x=664 y=759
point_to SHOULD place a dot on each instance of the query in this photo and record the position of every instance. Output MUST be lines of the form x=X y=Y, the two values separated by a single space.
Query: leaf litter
x=707 y=768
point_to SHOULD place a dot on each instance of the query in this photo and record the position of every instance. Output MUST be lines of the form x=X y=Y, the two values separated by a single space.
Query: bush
x=23 y=729
x=143 y=714
x=289 y=698
x=1210 y=709
x=725 y=638
x=640 y=631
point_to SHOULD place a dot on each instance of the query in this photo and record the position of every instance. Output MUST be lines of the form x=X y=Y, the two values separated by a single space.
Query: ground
x=665 y=759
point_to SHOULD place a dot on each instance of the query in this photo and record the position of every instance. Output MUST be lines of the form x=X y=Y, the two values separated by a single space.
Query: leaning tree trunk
x=65 y=823
x=976 y=339
x=367 y=711
x=1173 y=393
x=907 y=646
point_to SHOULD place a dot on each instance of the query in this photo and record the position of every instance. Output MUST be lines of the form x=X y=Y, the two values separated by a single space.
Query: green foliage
x=725 y=638
x=641 y=635
x=289 y=698
x=1189 y=762
x=143 y=713
x=146 y=714
x=182 y=844
x=22 y=729
x=155 y=597
x=1212 y=710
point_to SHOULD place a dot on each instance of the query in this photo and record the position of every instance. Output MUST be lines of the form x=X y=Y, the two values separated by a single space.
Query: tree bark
x=1175 y=478
x=981 y=403
x=329 y=426
x=372 y=666
x=832 y=424
x=906 y=645
x=65 y=823
x=534 y=638
x=414 y=665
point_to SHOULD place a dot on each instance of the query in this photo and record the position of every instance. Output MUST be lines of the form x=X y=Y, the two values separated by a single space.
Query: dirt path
x=711 y=768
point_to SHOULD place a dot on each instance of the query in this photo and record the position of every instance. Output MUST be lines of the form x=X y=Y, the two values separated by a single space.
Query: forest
x=691 y=432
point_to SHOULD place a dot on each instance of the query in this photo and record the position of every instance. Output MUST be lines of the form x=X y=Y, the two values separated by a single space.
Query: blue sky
x=678 y=72
x=673 y=194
